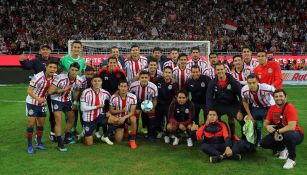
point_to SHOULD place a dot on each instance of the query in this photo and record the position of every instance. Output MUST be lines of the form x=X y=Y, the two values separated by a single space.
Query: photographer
x=285 y=133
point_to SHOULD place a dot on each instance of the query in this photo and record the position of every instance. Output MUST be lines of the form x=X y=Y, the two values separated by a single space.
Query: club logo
x=55 y=106
x=229 y=87
x=87 y=128
x=31 y=112
x=170 y=87
x=203 y=84
x=270 y=70
x=187 y=111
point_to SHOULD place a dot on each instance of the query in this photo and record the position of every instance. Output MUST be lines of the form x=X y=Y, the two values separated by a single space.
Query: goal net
x=102 y=47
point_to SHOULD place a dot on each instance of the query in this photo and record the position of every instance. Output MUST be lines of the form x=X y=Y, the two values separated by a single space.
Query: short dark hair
x=156 y=49
x=76 y=42
x=213 y=53
x=75 y=65
x=168 y=67
x=251 y=76
x=233 y=58
x=152 y=60
x=52 y=61
x=280 y=90
x=212 y=109
x=112 y=58
x=122 y=81
x=245 y=47
x=195 y=67
x=144 y=72
x=183 y=92
x=134 y=45
x=89 y=68
x=219 y=64
x=182 y=55
x=195 y=48
x=96 y=76
x=261 y=51
x=114 y=47
x=175 y=49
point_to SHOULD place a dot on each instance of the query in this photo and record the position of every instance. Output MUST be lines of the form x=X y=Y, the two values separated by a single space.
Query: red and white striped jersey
x=133 y=68
x=181 y=76
x=119 y=104
x=62 y=81
x=40 y=85
x=242 y=76
x=253 y=63
x=201 y=64
x=210 y=72
x=89 y=100
x=144 y=93
x=263 y=97
x=171 y=64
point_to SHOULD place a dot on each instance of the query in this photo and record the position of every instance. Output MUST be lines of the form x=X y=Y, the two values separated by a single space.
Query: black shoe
x=52 y=137
x=236 y=157
x=215 y=159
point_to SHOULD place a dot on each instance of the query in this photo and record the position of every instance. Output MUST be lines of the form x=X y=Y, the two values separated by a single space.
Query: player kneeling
x=36 y=103
x=180 y=115
x=93 y=101
x=123 y=105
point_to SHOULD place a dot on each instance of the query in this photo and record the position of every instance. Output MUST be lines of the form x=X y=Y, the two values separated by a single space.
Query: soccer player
x=210 y=71
x=114 y=52
x=284 y=131
x=111 y=75
x=217 y=142
x=134 y=64
x=153 y=70
x=146 y=90
x=181 y=73
x=93 y=101
x=123 y=106
x=257 y=99
x=157 y=56
x=268 y=72
x=60 y=92
x=167 y=90
x=241 y=71
x=180 y=116
x=248 y=60
x=174 y=59
x=196 y=60
x=224 y=95
x=75 y=56
x=39 y=64
x=197 y=85
x=36 y=103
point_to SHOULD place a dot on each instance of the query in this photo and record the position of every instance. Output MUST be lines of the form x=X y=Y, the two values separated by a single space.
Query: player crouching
x=123 y=106
x=93 y=101
x=180 y=115
x=36 y=103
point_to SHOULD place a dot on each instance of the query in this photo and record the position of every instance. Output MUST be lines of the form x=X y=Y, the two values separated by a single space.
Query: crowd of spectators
x=277 y=26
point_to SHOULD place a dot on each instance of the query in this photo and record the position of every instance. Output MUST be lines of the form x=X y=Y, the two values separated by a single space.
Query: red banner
x=13 y=60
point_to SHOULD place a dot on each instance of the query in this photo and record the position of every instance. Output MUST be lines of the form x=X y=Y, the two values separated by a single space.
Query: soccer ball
x=146 y=105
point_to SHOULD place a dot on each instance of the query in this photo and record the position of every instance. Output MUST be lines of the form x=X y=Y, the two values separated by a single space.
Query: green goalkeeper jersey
x=67 y=60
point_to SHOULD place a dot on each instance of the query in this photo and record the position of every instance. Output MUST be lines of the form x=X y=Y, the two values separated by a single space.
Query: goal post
x=102 y=47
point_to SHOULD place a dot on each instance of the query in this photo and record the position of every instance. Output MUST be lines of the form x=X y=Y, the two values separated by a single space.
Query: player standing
x=174 y=59
x=181 y=73
x=195 y=51
x=241 y=71
x=134 y=64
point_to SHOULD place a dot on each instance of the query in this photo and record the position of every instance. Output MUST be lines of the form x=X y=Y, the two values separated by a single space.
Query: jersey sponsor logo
x=187 y=111
x=31 y=112
x=270 y=70
x=229 y=87
x=203 y=84
x=170 y=87
x=55 y=106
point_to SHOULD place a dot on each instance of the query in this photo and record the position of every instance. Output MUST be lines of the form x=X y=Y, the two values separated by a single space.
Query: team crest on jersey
x=229 y=87
x=106 y=78
x=187 y=111
x=31 y=112
x=86 y=128
x=270 y=70
x=203 y=84
x=55 y=106
x=170 y=87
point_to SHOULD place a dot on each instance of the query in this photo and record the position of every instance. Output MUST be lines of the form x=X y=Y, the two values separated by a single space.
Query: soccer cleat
x=70 y=141
x=30 y=150
x=159 y=135
x=189 y=142
x=52 y=137
x=62 y=149
x=133 y=144
x=283 y=154
x=97 y=134
x=41 y=147
x=176 y=141
x=289 y=164
x=106 y=140
x=236 y=157
x=166 y=139
x=215 y=159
